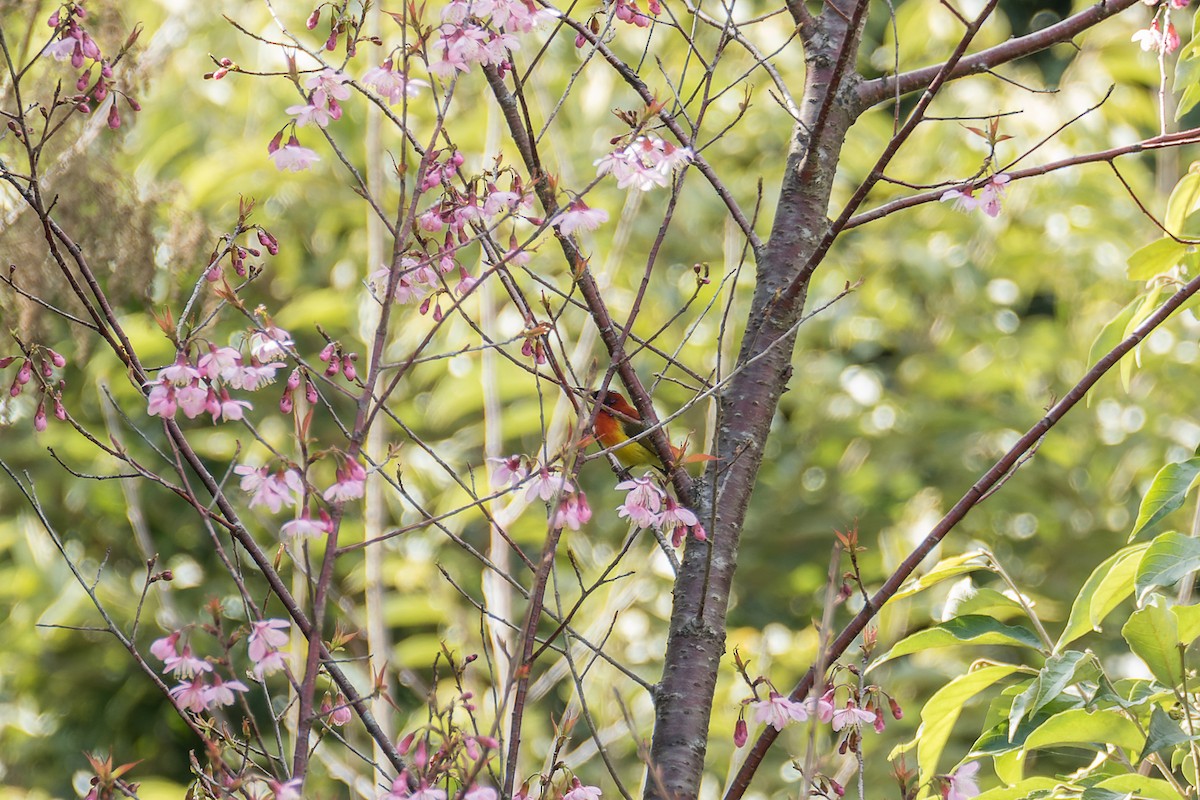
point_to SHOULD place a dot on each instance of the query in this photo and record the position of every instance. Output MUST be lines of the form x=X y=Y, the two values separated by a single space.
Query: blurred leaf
x=1037 y=787
x=1184 y=199
x=943 y=570
x=1140 y=786
x=1154 y=259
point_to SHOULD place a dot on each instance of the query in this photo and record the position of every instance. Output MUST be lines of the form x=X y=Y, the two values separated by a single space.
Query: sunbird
x=611 y=431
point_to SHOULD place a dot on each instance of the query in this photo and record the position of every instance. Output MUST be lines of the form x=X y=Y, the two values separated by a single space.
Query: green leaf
x=1105 y=588
x=1112 y=333
x=995 y=740
x=971 y=629
x=1166 y=493
x=1030 y=787
x=1140 y=786
x=1048 y=685
x=1169 y=559
x=1140 y=314
x=943 y=570
x=941 y=712
x=982 y=600
x=1109 y=584
x=1010 y=767
x=1154 y=259
x=1184 y=199
x=1153 y=635
x=1164 y=732
x=1082 y=727
x=1188 y=619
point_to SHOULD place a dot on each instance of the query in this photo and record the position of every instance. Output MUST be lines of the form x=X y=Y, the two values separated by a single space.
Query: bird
x=611 y=431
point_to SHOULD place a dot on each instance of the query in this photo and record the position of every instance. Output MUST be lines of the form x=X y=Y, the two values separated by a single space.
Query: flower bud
x=314 y=19
x=740 y=733
x=39 y=419
x=57 y=358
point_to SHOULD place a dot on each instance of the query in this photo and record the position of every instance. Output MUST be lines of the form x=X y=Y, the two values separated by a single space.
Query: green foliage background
x=962 y=332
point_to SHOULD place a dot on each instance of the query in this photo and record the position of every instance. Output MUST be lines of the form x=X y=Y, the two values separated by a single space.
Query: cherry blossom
x=851 y=716
x=508 y=471
x=270 y=344
x=646 y=162
x=580 y=216
x=350 y=485
x=221 y=693
x=546 y=485
x=961 y=785
x=284 y=488
x=391 y=85
x=288 y=790
x=573 y=512
x=1153 y=38
x=777 y=711
x=185 y=665
x=191 y=695
x=580 y=792
x=292 y=156
x=643 y=501
x=305 y=527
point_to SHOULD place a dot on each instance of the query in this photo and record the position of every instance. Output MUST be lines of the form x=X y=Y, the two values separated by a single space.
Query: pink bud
x=275 y=143
x=740 y=733
x=46 y=368
x=58 y=360
x=293 y=380
x=348 y=369
x=897 y=711
x=285 y=403
x=405 y=744
x=133 y=104
x=310 y=392
x=114 y=117
x=39 y=419
x=314 y=19
x=4 y=362
x=15 y=389
x=53 y=21
x=59 y=411
x=327 y=352
x=268 y=241
x=218 y=73
x=25 y=372
x=335 y=364
x=331 y=42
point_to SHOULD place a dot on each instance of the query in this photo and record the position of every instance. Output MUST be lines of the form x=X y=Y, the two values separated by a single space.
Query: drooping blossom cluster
x=199 y=688
x=203 y=386
x=392 y=85
x=648 y=505
x=644 y=163
x=578 y=215
x=266 y=643
x=545 y=484
x=1156 y=39
x=326 y=88
x=482 y=32
x=626 y=11
x=777 y=711
x=75 y=44
x=47 y=362
x=987 y=197
x=461 y=752
x=285 y=488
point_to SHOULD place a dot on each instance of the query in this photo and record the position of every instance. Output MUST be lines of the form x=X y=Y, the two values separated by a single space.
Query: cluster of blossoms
x=573 y=510
x=238 y=255
x=431 y=768
x=1156 y=39
x=626 y=11
x=988 y=197
x=195 y=692
x=285 y=488
x=644 y=163
x=75 y=44
x=778 y=711
x=325 y=88
x=203 y=387
x=48 y=361
x=482 y=32
x=647 y=505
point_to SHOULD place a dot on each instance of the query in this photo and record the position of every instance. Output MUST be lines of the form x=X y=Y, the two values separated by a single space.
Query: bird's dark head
x=614 y=401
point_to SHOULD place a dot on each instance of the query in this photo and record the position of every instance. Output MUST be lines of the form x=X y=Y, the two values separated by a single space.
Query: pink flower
x=312 y=115
x=219 y=362
x=284 y=488
x=646 y=162
x=579 y=215
x=327 y=85
x=350 y=485
x=546 y=485
x=293 y=157
x=573 y=512
x=581 y=792
x=777 y=711
x=181 y=373
x=191 y=695
x=822 y=707
x=165 y=647
x=221 y=693
x=678 y=520
x=1153 y=38
x=961 y=785
x=508 y=471
x=290 y=790
x=392 y=86
x=186 y=665
x=481 y=793
x=161 y=401
x=192 y=399
x=964 y=199
x=851 y=716
x=270 y=344
x=305 y=526
x=992 y=194
x=267 y=635
x=643 y=502
x=270 y=663
x=230 y=408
